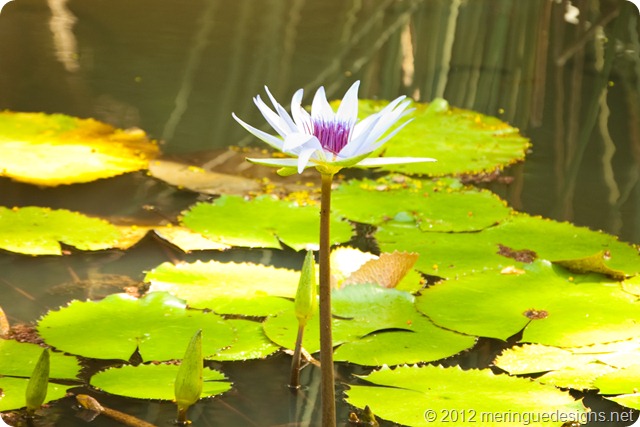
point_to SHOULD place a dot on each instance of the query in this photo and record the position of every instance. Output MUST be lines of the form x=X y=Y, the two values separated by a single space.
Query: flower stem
x=294 y=381
x=327 y=389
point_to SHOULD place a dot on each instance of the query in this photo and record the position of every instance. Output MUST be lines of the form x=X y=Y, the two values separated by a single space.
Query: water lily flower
x=328 y=140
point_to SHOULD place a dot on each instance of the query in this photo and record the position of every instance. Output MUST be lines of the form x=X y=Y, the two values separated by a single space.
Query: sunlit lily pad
x=181 y=237
x=553 y=306
x=632 y=285
x=622 y=381
x=450 y=255
x=561 y=367
x=263 y=222
x=432 y=395
x=628 y=400
x=39 y=231
x=536 y=358
x=362 y=310
x=462 y=141
x=56 y=149
x=188 y=240
x=228 y=288
x=154 y=381
x=158 y=325
x=432 y=205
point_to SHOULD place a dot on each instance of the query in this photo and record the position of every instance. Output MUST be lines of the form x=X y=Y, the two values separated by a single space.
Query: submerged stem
x=327 y=389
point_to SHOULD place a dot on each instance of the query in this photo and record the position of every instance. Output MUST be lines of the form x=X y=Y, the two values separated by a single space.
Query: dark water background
x=567 y=74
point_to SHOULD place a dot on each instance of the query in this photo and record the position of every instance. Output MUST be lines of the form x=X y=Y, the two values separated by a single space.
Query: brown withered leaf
x=197 y=179
x=227 y=171
x=522 y=255
x=4 y=324
x=387 y=270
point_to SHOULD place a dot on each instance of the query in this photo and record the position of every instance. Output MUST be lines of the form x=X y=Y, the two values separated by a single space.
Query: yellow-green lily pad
x=55 y=149
x=622 y=381
x=228 y=288
x=563 y=367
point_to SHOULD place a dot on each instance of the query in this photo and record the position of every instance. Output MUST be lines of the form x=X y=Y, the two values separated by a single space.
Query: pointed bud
x=188 y=384
x=306 y=296
x=38 y=383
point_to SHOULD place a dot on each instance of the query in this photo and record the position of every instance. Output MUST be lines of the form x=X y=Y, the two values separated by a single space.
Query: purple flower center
x=333 y=135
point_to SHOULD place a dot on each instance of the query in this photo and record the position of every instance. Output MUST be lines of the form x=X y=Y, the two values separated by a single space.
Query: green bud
x=188 y=385
x=38 y=383
x=306 y=295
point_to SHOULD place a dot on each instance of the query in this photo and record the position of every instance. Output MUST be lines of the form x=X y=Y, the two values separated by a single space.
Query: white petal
x=272 y=118
x=286 y=119
x=295 y=140
x=372 y=162
x=348 y=109
x=379 y=143
x=303 y=158
x=273 y=141
x=386 y=121
x=320 y=108
x=300 y=115
x=360 y=142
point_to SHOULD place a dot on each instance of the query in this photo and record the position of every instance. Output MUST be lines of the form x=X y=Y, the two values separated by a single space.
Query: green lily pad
x=263 y=222
x=462 y=141
x=251 y=343
x=159 y=325
x=432 y=205
x=450 y=255
x=154 y=381
x=14 y=389
x=373 y=326
x=18 y=360
x=227 y=288
x=552 y=306
x=38 y=231
x=57 y=149
x=432 y=395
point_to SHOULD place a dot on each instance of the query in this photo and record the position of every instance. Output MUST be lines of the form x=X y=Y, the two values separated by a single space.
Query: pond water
x=566 y=74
